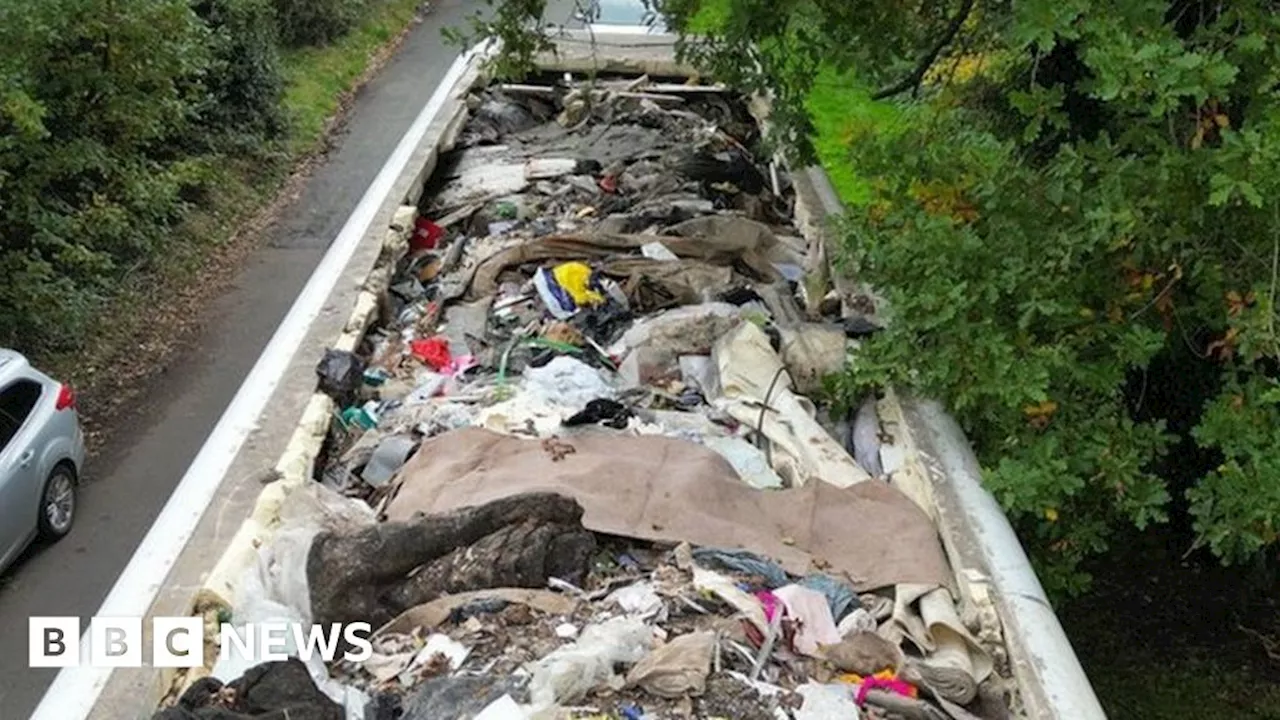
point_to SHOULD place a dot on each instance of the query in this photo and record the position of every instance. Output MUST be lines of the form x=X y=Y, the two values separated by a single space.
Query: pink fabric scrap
x=459 y=365
x=772 y=605
x=901 y=687
x=810 y=607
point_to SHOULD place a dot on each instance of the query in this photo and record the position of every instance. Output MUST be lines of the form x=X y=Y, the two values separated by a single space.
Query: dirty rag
x=742 y=561
x=840 y=597
x=434 y=352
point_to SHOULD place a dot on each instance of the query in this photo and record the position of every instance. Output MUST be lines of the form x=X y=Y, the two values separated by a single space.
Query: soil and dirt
x=1161 y=627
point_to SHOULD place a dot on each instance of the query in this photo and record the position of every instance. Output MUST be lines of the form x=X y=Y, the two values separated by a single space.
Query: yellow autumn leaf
x=1051 y=514
x=1048 y=407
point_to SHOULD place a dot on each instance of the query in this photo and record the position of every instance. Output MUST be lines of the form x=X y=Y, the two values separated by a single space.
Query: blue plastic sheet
x=745 y=562
x=840 y=597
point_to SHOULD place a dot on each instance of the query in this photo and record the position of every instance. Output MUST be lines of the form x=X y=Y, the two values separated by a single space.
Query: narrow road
x=157 y=442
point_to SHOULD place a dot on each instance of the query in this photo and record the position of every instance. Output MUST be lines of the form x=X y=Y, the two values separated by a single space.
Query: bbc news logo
x=179 y=642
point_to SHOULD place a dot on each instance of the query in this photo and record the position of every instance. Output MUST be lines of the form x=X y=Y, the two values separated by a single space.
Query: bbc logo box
x=115 y=642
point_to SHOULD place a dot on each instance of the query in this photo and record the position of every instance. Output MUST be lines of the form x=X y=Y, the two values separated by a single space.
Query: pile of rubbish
x=579 y=471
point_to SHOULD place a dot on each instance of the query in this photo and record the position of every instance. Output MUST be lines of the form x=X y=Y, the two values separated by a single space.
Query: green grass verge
x=317 y=77
x=1138 y=687
x=841 y=108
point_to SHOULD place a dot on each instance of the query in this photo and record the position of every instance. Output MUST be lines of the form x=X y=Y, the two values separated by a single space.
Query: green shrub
x=315 y=22
x=95 y=99
x=1009 y=304
x=245 y=82
x=1038 y=252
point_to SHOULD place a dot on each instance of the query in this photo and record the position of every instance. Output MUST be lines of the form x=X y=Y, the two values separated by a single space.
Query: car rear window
x=626 y=12
x=17 y=400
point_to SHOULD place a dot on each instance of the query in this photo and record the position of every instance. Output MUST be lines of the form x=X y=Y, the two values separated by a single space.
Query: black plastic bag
x=455 y=698
x=601 y=411
x=341 y=373
x=270 y=690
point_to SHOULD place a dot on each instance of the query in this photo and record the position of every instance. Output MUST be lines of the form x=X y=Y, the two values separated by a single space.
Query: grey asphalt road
x=131 y=481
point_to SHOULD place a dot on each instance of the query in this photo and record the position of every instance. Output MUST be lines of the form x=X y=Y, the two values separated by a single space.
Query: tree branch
x=926 y=61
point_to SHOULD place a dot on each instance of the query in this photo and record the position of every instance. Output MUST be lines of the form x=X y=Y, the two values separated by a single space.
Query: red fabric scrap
x=432 y=351
x=426 y=235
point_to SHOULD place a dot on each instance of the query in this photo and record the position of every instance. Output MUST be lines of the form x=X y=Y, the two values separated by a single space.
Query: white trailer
x=265 y=445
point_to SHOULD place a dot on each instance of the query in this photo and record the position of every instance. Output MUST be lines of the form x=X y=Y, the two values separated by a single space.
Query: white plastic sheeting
x=275 y=589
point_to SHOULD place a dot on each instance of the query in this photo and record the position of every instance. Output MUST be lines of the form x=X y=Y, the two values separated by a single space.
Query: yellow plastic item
x=854 y=678
x=575 y=278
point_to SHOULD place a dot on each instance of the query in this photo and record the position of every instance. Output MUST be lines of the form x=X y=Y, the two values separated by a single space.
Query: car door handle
x=25 y=460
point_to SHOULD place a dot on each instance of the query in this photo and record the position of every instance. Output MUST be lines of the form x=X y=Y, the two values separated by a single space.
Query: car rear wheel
x=58 y=504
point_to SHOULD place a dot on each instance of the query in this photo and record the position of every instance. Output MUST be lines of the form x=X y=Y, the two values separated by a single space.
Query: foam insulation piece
x=295 y=469
x=403 y=220
x=366 y=311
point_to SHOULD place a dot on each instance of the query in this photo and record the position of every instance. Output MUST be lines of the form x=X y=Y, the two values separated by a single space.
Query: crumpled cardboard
x=677 y=668
x=668 y=489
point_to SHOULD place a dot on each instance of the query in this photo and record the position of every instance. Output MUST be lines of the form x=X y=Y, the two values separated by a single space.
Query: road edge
x=75 y=692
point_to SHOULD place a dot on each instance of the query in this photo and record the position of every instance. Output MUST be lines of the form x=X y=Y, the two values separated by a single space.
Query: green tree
x=244 y=83
x=315 y=22
x=1100 y=200
x=93 y=96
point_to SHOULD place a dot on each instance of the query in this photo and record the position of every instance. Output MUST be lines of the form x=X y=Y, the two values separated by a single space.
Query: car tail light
x=66 y=398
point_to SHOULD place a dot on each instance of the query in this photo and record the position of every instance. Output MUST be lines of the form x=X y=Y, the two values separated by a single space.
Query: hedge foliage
x=1078 y=233
x=315 y=22
x=115 y=118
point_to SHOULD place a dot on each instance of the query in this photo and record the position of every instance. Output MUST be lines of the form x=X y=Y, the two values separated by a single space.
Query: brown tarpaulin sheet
x=668 y=489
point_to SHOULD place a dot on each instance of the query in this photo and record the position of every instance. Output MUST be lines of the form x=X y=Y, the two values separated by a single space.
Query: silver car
x=605 y=16
x=41 y=455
